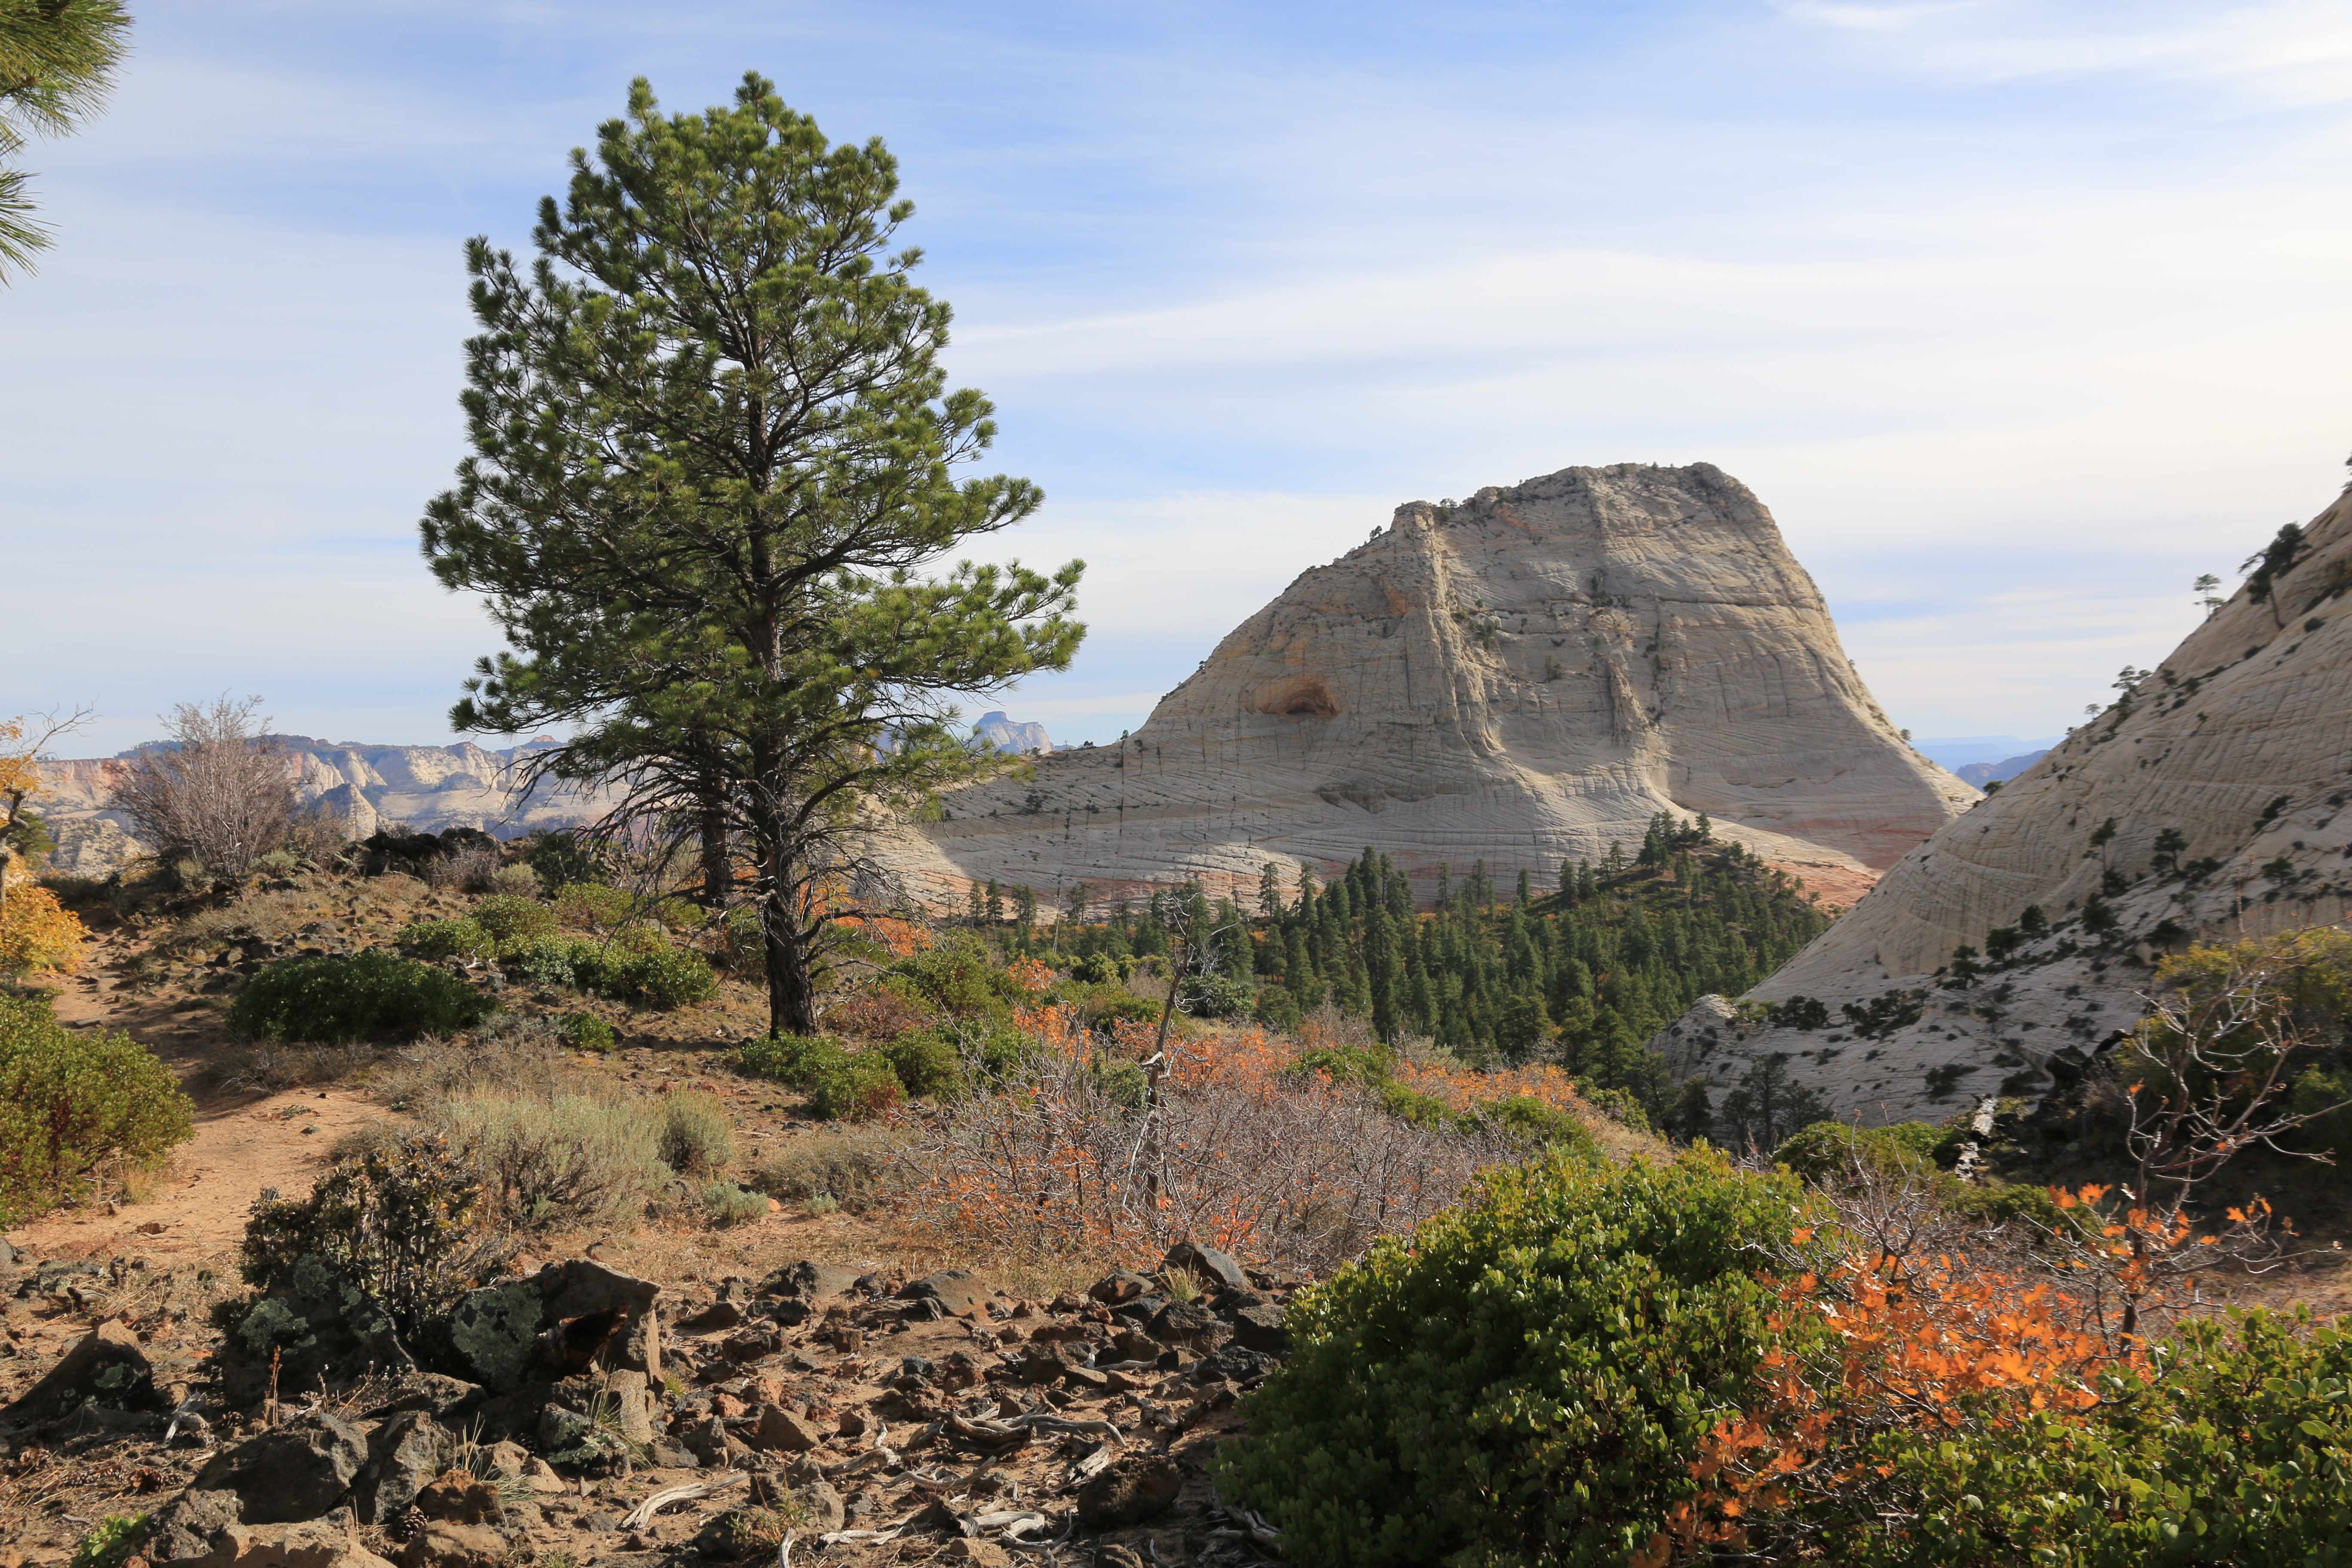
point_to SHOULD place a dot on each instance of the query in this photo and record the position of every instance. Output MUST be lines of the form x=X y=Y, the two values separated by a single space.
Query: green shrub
x=1411 y=1105
x=1215 y=995
x=840 y=1084
x=592 y=906
x=2240 y=1453
x=437 y=941
x=1100 y=968
x=663 y=976
x=509 y=920
x=787 y=1059
x=1344 y=1064
x=70 y=1098
x=560 y=858
x=396 y=1223
x=1828 y=1151
x=555 y=1158
x=696 y=1139
x=1122 y=1007
x=1525 y=1380
x=960 y=976
x=518 y=880
x=586 y=1032
x=926 y=1064
x=1534 y=1121
x=724 y=1203
x=677 y=914
x=578 y=963
x=854 y=1088
x=1122 y=1082
x=854 y=1170
x=366 y=996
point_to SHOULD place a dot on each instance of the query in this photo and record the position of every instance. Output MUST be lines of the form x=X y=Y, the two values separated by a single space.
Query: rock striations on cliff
x=2209 y=802
x=1525 y=677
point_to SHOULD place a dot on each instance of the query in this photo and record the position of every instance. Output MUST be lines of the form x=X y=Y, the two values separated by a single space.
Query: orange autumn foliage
x=1872 y=1345
x=1080 y=1154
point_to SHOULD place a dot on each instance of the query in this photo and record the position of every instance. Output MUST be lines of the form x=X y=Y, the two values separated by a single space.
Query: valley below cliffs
x=1526 y=677
x=2209 y=803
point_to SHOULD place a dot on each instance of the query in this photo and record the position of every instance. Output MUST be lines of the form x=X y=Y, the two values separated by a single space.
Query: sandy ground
x=247 y=1142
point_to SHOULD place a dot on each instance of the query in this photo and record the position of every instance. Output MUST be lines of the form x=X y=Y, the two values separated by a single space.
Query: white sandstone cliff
x=1520 y=679
x=2239 y=744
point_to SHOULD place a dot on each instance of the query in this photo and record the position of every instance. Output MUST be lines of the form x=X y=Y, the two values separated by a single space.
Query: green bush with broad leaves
x=1526 y=1378
x=660 y=976
x=510 y=919
x=841 y=1084
x=927 y=1064
x=71 y=1100
x=586 y=1032
x=367 y=995
x=2240 y=1452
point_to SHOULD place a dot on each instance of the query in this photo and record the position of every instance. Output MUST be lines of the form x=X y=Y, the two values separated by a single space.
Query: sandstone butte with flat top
x=1523 y=678
x=2226 y=775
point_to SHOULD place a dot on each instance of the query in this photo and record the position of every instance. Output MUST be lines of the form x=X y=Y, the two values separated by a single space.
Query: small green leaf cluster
x=1525 y=1380
x=364 y=995
x=70 y=1098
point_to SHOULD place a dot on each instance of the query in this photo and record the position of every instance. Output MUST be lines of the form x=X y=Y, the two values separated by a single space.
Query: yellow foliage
x=38 y=932
x=19 y=775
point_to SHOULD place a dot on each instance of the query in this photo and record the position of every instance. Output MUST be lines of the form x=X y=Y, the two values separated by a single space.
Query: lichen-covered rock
x=316 y=1324
x=107 y=1369
x=405 y=1455
x=569 y=1317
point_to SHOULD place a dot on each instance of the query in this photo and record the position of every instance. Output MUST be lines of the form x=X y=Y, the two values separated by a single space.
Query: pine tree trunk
x=717 y=875
x=791 y=996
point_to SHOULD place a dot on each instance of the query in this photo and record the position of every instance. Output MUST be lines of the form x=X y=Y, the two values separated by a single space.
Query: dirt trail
x=246 y=1141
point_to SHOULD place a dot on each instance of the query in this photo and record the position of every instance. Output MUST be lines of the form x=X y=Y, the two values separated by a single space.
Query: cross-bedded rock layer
x=2225 y=775
x=1525 y=676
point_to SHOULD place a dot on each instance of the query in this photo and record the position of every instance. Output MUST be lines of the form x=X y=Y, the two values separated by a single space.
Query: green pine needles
x=57 y=64
x=711 y=482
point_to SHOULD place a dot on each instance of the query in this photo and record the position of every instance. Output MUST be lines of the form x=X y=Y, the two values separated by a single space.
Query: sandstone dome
x=1525 y=677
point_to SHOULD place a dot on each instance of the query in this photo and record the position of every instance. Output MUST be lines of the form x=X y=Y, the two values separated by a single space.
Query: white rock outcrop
x=1520 y=679
x=2209 y=803
x=359 y=787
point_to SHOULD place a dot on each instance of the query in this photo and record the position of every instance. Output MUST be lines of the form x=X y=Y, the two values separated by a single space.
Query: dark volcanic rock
x=297 y=1471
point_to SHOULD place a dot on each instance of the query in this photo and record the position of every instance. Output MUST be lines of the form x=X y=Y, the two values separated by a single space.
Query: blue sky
x=2018 y=315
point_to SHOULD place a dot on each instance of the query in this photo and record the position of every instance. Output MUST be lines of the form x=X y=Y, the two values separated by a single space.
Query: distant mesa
x=428 y=788
x=2209 y=803
x=2002 y=772
x=1528 y=676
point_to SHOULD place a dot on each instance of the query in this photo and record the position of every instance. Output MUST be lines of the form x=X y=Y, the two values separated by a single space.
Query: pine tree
x=57 y=59
x=712 y=451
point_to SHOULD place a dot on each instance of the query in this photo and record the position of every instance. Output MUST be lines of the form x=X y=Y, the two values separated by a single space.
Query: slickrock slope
x=1522 y=678
x=427 y=788
x=2239 y=744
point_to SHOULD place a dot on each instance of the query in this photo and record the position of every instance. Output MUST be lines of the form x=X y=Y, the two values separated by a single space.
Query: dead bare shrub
x=1078 y=1154
x=468 y=869
x=217 y=792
